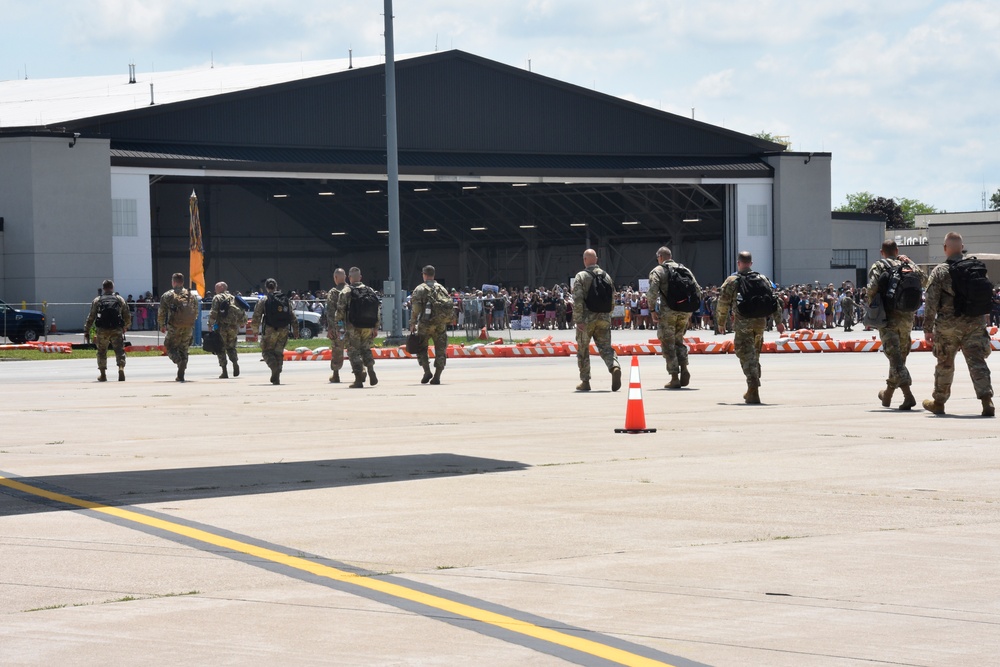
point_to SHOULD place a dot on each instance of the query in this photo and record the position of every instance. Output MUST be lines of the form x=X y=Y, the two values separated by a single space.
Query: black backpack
x=109 y=313
x=277 y=311
x=754 y=295
x=362 y=312
x=682 y=293
x=223 y=308
x=601 y=294
x=901 y=288
x=973 y=289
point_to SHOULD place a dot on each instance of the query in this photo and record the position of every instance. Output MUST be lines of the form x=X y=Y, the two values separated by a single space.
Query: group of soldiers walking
x=957 y=290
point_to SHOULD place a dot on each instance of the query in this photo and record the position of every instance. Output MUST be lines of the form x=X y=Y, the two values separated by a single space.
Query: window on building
x=849 y=259
x=757 y=220
x=124 y=219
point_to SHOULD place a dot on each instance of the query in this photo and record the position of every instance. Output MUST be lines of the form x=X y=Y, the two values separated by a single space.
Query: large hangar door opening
x=512 y=233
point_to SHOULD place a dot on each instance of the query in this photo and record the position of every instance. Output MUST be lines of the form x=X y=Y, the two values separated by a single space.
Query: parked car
x=20 y=326
x=310 y=323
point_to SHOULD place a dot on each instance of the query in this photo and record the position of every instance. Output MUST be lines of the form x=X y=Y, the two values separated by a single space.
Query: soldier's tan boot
x=930 y=405
x=335 y=377
x=886 y=396
x=275 y=377
x=372 y=378
x=121 y=374
x=583 y=386
x=180 y=374
x=236 y=370
x=685 y=376
x=103 y=377
x=359 y=381
x=908 y=400
x=675 y=382
x=437 y=376
x=616 y=378
x=225 y=374
x=752 y=397
x=988 y=409
x=427 y=375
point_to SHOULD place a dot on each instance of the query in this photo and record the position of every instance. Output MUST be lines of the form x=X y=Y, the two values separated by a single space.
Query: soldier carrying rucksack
x=958 y=294
x=673 y=295
x=593 y=301
x=358 y=308
x=110 y=318
x=176 y=317
x=225 y=320
x=275 y=312
x=897 y=283
x=432 y=310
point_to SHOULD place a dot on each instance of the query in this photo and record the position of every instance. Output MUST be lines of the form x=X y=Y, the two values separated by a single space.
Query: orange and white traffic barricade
x=540 y=351
x=251 y=336
x=785 y=345
x=807 y=334
x=571 y=348
x=642 y=348
x=920 y=345
x=721 y=347
x=866 y=346
x=994 y=331
x=63 y=348
x=994 y=344
x=622 y=349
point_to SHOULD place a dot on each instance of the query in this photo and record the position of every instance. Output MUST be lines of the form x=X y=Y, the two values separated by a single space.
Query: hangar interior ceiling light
x=630 y=222
x=325 y=194
x=383 y=231
x=578 y=224
x=421 y=189
x=526 y=226
x=279 y=196
x=691 y=220
x=338 y=233
x=477 y=229
x=432 y=229
x=470 y=187
x=518 y=185
x=372 y=192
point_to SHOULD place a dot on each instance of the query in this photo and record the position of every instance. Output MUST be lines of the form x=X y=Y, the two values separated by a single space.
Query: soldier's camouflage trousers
x=104 y=338
x=177 y=343
x=895 y=336
x=747 y=343
x=359 y=348
x=272 y=347
x=670 y=330
x=337 y=347
x=967 y=334
x=438 y=334
x=600 y=331
x=228 y=336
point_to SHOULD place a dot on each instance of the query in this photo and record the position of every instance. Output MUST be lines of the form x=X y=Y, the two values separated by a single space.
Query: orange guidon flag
x=197 y=248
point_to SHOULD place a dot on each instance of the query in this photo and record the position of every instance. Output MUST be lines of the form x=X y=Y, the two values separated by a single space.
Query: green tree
x=898 y=215
x=995 y=200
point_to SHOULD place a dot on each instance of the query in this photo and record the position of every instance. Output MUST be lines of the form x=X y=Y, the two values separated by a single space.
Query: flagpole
x=392 y=173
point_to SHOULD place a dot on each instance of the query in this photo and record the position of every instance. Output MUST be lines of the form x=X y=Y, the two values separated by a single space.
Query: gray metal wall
x=56 y=202
x=802 y=229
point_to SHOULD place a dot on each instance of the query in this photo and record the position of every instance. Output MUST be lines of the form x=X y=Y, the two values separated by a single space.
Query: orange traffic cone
x=482 y=334
x=635 y=415
x=52 y=326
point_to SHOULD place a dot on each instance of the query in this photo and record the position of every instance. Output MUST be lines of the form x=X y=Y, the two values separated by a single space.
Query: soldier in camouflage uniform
x=949 y=333
x=177 y=320
x=106 y=336
x=273 y=338
x=335 y=330
x=227 y=326
x=847 y=307
x=671 y=325
x=359 y=339
x=895 y=335
x=422 y=319
x=592 y=325
x=749 y=330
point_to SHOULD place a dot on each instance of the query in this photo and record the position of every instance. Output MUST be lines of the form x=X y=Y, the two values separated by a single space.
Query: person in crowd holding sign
x=751 y=296
x=673 y=295
x=177 y=315
x=433 y=310
x=358 y=307
x=898 y=283
x=110 y=317
x=593 y=300
x=959 y=297
x=274 y=310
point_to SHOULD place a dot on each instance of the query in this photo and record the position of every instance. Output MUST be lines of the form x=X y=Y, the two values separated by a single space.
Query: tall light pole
x=392 y=172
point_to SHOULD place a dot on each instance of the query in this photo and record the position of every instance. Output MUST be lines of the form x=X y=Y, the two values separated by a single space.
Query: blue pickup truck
x=21 y=326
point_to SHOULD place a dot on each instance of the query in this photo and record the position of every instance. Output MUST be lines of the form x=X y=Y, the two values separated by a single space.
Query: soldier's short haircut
x=953 y=237
x=890 y=248
x=355 y=272
x=108 y=284
x=270 y=283
x=177 y=278
x=744 y=257
x=664 y=252
x=428 y=270
x=339 y=272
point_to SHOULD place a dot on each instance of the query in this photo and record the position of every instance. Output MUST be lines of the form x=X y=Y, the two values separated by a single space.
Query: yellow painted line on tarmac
x=509 y=623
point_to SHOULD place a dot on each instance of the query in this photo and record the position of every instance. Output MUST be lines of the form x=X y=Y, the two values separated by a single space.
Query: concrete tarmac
x=236 y=522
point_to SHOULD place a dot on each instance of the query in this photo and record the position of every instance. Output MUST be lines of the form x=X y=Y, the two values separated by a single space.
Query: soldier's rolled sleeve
x=653 y=293
x=126 y=315
x=91 y=318
x=258 y=314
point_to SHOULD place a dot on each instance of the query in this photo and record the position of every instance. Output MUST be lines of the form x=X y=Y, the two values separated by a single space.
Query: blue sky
x=904 y=93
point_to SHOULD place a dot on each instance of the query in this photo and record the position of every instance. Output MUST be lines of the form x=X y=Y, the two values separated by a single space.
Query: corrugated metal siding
x=447 y=102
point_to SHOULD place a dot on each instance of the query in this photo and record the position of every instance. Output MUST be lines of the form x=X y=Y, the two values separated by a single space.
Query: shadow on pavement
x=147 y=486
